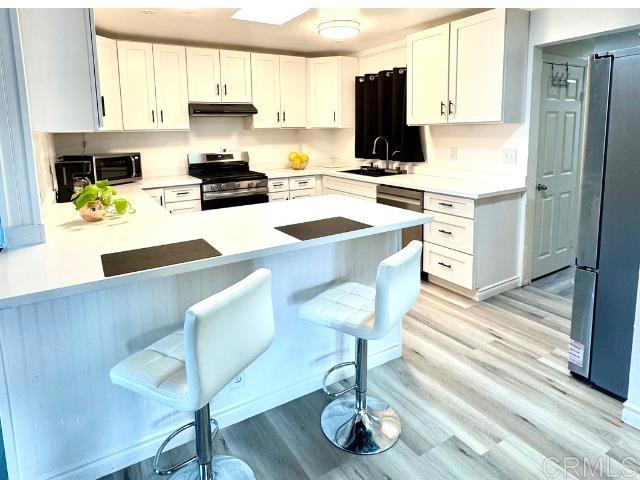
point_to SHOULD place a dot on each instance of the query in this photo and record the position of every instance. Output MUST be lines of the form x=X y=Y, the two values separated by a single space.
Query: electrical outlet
x=453 y=154
x=509 y=156
x=238 y=382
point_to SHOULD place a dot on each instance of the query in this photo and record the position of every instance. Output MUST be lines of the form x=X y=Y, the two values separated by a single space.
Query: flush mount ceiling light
x=272 y=16
x=339 y=29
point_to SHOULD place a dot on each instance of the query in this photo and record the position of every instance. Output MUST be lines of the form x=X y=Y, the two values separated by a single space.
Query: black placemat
x=153 y=257
x=322 y=228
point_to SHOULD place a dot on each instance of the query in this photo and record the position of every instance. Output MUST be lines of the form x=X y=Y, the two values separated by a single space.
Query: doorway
x=559 y=153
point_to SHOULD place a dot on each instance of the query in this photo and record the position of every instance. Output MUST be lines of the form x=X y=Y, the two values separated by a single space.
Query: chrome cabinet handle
x=444 y=204
x=445 y=232
x=284 y=118
x=153 y=116
x=444 y=265
x=225 y=88
x=104 y=113
x=217 y=89
x=541 y=186
x=161 y=116
x=334 y=116
x=278 y=117
x=442 y=112
x=450 y=107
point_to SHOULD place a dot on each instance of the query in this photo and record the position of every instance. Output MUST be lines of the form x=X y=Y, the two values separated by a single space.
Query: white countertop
x=168 y=181
x=70 y=260
x=458 y=187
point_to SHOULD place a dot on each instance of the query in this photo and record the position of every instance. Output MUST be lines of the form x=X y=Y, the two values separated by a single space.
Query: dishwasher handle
x=401 y=202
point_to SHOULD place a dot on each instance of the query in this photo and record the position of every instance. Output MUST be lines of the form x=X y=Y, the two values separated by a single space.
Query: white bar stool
x=222 y=335
x=365 y=425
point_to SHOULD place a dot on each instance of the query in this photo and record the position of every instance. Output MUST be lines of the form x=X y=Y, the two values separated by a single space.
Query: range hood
x=221 y=110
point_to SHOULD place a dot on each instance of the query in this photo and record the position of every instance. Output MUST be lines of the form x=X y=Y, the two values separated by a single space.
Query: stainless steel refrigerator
x=608 y=246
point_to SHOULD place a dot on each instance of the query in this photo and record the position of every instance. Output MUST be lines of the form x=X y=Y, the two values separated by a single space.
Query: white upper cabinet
x=235 y=76
x=428 y=76
x=203 y=68
x=279 y=91
x=170 y=69
x=59 y=52
x=137 y=85
x=331 y=92
x=265 y=74
x=293 y=91
x=107 y=52
x=484 y=58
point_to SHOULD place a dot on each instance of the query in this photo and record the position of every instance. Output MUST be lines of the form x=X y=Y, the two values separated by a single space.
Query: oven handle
x=234 y=193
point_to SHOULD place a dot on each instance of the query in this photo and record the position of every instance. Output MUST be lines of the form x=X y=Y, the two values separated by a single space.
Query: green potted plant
x=97 y=200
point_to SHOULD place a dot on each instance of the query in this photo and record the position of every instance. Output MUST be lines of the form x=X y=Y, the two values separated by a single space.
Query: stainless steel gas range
x=227 y=180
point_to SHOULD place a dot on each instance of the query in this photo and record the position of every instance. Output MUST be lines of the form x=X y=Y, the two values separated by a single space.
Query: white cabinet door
x=235 y=75
x=265 y=75
x=107 y=52
x=293 y=91
x=477 y=67
x=137 y=85
x=324 y=92
x=428 y=76
x=170 y=68
x=203 y=72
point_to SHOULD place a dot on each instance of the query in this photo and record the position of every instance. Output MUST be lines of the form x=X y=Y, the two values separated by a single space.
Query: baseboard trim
x=631 y=414
x=483 y=293
x=24 y=235
x=227 y=416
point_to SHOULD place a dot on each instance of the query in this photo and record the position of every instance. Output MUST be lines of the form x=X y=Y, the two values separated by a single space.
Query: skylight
x=272 y=16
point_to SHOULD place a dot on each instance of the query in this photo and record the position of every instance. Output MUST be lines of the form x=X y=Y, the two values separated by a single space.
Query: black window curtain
x=381 y=102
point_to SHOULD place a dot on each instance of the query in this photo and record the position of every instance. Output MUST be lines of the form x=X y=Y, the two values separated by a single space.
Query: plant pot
x=93 y=212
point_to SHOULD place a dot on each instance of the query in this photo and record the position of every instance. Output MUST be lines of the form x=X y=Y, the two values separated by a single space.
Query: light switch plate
x=510 y=156
x=453 y=154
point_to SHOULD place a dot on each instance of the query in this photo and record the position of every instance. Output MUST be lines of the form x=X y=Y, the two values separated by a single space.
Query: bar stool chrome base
x=364 y=432
x=225 y=467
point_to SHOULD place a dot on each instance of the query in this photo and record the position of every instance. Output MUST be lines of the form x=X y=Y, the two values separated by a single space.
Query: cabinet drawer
x=180 y=194
x=278 y=196
x=462 y=207
x=279 y=185
x=343 y=185
x=307 y=192
x=450 y=231
x=183 y=207
x=328 y=191
x=298 y=183
x=448 y=264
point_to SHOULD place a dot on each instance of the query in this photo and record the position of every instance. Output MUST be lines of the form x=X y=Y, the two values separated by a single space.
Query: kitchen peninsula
x=64 y=324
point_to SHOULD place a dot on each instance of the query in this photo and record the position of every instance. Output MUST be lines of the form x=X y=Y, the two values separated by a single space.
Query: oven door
x=117 y=168
x=234 y=198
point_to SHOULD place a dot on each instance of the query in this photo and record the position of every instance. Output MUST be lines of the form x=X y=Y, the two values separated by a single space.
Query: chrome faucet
x=375 y=143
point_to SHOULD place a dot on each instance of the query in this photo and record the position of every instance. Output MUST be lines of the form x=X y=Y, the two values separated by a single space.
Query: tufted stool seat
x=222 y=335
x=365 y=425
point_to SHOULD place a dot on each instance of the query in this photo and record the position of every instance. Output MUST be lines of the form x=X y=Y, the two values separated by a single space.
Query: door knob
x=541 y=186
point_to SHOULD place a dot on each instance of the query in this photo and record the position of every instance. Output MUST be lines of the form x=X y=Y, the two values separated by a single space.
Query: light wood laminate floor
x=559 y=283
x=483 y=393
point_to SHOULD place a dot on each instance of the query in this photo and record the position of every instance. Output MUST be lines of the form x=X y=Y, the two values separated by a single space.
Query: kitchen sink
x=373 y=172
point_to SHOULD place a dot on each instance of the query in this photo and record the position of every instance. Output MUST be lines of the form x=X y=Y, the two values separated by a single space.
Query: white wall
x=165 y=153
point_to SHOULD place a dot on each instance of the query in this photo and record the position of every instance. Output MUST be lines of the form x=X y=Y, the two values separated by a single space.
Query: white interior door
x=235 y=75
x=107 y=52
x=476 y=67
x=203 y=74
x=170 y=67
x=293 y=91
x=137 y=85
x=558 y=165
x=428 y=76
x=265 y=84
x=324 y=92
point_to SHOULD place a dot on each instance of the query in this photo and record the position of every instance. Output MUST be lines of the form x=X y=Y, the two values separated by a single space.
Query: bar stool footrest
x=325 y=388
x=175 y=468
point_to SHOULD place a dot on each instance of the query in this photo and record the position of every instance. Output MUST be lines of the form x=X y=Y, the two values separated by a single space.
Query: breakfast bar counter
x=75 y=306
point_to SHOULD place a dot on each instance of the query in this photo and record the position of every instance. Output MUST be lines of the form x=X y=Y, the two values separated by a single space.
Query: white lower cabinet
x=351 y=188
x=292 y=188
x=182 y=199
x=306 y=192
x=279 y=196
x=473 y=247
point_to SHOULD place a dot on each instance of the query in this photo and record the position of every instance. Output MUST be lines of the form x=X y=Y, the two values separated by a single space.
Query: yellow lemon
x=304 y=157
x=297 y=163
x=293 y=156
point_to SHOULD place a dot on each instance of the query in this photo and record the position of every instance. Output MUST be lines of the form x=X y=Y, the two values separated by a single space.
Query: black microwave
x=116 y=167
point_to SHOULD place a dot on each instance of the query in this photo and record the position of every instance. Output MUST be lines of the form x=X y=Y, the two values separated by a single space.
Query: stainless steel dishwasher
x=408 y=200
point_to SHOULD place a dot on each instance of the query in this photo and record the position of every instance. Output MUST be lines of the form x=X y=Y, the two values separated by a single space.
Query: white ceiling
x=213 y=26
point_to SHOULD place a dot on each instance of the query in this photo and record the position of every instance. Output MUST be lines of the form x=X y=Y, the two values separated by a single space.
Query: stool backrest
x=397 y=286
x=225 y=333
